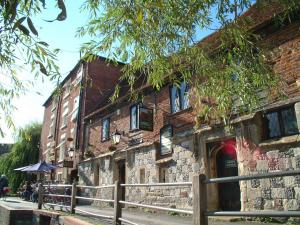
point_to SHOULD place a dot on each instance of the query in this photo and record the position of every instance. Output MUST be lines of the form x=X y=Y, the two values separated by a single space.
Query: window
x=51 y=128
x=280 y=123
x=141 y=118
x=62 y=150
x=59 y=176
x=75 y=109
x=105 y=129
x=166 y=135
x=62 y=147
x=67 y=89
x=179 y=96
x=65 y=115
x=163 y=175
x=142 y=176
x=134 y=117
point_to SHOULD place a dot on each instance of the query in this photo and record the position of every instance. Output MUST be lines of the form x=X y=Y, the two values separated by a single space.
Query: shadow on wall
x=85 y=178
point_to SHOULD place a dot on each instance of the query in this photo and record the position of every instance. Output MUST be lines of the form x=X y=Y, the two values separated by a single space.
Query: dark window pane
x=133 y=117
x=105 y=129
x=289 y=120
x=175 y=102
x=273 y=125
x=184 y=95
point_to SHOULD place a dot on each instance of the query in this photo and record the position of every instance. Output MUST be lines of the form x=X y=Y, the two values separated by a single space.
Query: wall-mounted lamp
x=116 y=136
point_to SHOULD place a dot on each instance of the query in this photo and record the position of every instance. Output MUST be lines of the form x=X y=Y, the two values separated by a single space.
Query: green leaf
x=19 y=21
x=63 y=15
x=139 y=18
x=23 y=29
x=31 y=26
x=43 y=43
x=42 y=67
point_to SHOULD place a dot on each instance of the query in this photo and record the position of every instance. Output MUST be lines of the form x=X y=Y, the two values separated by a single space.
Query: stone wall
x=280 y=193
x=179 y=167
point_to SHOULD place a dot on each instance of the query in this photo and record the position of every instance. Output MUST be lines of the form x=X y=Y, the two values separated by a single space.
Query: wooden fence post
x=40 y=195
x=117 y=204
x=199 y=200
x=73 y=197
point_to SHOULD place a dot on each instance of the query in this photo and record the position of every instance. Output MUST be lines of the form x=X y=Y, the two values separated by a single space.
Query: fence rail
x=254 y=214
x=251 y=177
x=57 y=185
x=158 y=184
x=95 y=187
x=157 y=207
x=95 y=199
x=56 y=195
x=199 y=191
x=94 y=214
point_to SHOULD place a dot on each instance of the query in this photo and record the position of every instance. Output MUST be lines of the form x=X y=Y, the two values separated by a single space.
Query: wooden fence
x=199 y=189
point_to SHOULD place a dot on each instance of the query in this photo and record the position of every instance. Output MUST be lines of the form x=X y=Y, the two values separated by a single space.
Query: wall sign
x=145 y=118
x=135 y=141
x=68 y=164
x=166 y=136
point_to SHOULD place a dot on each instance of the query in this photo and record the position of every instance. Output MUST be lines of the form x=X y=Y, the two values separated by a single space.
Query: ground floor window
x=163 y=175
x=280 y=122
x=142 y=176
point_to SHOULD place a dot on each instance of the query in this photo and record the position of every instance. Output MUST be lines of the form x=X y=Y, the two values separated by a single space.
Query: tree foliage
x=159 y=38
x=20 y=45
x=23 y=153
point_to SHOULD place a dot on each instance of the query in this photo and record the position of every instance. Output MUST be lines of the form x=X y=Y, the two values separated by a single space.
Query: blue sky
x=58 y=35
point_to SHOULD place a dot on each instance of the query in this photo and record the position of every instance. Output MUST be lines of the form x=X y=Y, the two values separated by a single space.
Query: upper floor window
x=281 y=122
x=141 y=117
x=166 y=136
x=179 y=97
x=134 y=117
x=105 y=129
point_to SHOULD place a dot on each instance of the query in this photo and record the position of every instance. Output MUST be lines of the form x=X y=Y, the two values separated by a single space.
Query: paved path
x=136 y=216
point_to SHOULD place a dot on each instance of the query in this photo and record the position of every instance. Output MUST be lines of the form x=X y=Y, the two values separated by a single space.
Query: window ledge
x=182 y=111
x=66 y=95
x=164 y=160
x=63 y=127
x=50 y=136
x=280 y=141
x=134 y=130
x=105 y=140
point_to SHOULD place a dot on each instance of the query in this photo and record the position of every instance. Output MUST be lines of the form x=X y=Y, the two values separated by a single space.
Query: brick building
x=160 y=144
x=75 y=97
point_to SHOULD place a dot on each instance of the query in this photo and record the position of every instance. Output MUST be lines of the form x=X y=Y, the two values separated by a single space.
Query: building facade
x=159 y=141
x=75 y=97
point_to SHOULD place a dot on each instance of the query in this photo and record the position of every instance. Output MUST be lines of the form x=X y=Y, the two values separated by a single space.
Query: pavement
x=137 y=216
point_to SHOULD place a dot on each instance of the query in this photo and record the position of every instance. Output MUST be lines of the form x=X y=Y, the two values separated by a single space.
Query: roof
x=259 y=20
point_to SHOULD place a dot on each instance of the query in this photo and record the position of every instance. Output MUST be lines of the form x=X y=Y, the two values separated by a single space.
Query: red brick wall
x=102 y=78
x=287 y=56
x=45 y=129
x=162 y=116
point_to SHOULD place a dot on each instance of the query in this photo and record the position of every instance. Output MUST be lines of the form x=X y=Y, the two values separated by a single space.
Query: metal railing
x=53 y=196
x=199 y=191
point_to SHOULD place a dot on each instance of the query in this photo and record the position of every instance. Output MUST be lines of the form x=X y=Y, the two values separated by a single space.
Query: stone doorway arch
x=222 y=162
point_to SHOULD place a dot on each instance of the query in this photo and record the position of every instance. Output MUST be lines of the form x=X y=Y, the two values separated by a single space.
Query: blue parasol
x=41 y=167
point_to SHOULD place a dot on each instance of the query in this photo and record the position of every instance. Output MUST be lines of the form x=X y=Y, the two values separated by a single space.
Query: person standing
x=3 y=185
